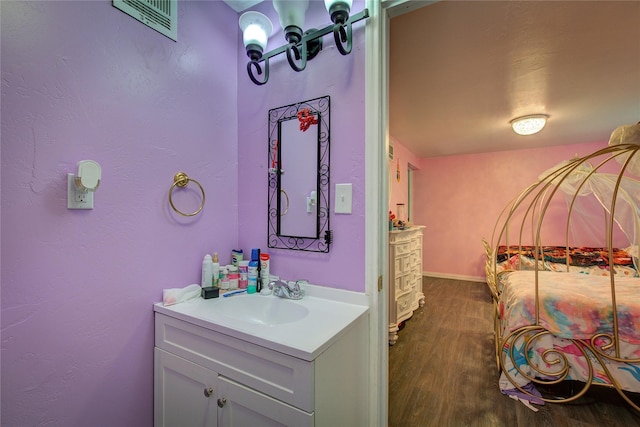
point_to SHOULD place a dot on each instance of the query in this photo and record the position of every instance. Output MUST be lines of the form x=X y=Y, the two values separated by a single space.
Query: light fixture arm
x=256 y=64
x=342 y=34
x=297 y=51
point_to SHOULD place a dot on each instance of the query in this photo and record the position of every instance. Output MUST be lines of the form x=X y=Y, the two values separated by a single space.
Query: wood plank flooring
x=442 y=371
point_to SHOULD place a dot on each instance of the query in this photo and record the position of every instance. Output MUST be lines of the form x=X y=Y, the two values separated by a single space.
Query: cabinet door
x=184 y=392
x=241 y=406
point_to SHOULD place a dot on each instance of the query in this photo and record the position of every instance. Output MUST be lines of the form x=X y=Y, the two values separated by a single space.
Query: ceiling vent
x=161 y=15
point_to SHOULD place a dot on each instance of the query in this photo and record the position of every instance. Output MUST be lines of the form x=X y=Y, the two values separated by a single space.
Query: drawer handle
x=208 y=392
x=221 y=402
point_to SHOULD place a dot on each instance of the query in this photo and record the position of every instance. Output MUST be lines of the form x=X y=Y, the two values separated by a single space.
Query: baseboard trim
x=455 y=276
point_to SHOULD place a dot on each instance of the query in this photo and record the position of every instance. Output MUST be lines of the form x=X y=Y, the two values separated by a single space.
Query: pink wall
x=398 y=189
x=82 y=80
x=342 y=78
x=459 y=198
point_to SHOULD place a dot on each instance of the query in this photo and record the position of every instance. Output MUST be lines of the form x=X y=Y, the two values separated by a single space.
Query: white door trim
x=377 y=194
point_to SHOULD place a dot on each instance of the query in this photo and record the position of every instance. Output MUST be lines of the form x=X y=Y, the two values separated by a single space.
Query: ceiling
x=241 y=5
x=461 y=70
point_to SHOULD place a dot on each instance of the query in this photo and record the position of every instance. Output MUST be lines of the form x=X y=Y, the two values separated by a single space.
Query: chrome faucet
x=290 y=290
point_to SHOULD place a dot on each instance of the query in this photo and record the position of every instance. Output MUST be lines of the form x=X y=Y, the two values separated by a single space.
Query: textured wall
x=82 y=80
x=398 y=188
x=342 y=78
x=459 y=199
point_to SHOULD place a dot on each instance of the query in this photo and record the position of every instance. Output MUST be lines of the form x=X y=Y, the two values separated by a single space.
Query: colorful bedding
x=575 y=306
x=585 y=260
x=579 y=256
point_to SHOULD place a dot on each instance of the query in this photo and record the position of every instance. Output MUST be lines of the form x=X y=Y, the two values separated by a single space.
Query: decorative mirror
x=299 y=176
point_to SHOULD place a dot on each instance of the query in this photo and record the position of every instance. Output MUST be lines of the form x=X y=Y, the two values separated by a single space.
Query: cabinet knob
x=208 y=392
x=222 y=402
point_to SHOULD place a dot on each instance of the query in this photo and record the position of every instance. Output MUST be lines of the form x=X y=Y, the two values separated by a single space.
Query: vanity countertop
x=330 y=314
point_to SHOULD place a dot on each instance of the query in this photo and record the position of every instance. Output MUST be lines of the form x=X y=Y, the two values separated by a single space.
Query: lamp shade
x=256 y=29
x=338 y=10
x=291 y=12
x=529 y=125
x=344 y=3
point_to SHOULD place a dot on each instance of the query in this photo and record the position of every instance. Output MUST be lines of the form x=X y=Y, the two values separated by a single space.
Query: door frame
x=377 y=195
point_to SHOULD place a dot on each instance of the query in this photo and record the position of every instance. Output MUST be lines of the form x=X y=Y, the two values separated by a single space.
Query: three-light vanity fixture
x=301 y=46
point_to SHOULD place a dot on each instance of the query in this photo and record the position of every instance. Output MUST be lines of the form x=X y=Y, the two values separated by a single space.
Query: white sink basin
x=300 y=328
x=261 y=310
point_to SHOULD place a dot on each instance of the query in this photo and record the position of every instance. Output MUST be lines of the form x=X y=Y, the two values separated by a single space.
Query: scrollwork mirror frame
x=306 y=112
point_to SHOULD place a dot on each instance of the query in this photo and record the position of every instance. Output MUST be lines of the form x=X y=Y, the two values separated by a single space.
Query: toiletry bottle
x=264 y=270
x=207 y=270
x=236 y=256
x=215 y=272
x=255 y=256
x=234 y=277
x=252 y=283
x=243 y=269
x=224 y=278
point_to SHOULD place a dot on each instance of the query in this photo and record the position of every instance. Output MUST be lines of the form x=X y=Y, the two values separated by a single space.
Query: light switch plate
x=344 y=196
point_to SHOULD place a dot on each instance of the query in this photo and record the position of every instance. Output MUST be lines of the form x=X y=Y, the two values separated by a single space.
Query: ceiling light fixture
x=529 y=125
x=302 y=46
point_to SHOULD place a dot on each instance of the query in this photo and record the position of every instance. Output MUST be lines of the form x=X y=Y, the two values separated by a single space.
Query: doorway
x=376 y=177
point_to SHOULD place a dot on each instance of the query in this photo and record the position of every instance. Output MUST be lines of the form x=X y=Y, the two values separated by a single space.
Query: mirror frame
x=323 y=236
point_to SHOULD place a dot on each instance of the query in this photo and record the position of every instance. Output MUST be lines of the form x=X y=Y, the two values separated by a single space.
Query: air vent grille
x=161 y=15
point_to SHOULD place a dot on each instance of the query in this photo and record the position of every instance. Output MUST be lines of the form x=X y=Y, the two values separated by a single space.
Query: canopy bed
x=562 y=268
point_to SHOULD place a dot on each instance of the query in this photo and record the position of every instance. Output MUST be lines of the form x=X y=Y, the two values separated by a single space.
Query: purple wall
x=83 y=80
x=342 y=78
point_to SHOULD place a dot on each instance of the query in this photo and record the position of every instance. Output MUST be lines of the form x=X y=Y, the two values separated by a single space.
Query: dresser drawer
x=397 y=266
x=404 y=303
x=402 y=248
x=407 y=263
x=399 y=282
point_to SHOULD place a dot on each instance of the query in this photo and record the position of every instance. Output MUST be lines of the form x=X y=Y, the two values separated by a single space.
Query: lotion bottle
x=207 y=271
x=252 y=282
x=224 y=278
x=264 y=271
x=215 y=272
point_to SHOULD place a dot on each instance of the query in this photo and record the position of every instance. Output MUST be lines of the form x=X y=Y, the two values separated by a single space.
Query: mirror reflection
x=299 y=176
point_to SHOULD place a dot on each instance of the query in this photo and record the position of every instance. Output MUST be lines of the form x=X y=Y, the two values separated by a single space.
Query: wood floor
x=442 y=371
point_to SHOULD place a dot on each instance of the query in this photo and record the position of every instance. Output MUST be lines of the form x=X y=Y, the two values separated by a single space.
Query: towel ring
x=286 y=197
x=181 y=180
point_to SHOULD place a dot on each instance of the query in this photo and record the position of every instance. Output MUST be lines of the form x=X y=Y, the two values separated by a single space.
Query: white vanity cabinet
x=188 y=394
x=206 y=377
x=405 y=276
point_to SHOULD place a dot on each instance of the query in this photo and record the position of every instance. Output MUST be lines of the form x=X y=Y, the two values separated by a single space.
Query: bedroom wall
x=398 y=189
x=459 y=198
x=83 y=80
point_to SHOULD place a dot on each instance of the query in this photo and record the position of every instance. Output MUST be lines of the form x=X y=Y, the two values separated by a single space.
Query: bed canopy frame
x=608 y=178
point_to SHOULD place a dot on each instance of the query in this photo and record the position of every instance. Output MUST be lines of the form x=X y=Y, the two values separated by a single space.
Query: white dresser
x=405 y=276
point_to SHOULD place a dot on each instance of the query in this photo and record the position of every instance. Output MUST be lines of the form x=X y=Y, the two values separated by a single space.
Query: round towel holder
x=181 y=180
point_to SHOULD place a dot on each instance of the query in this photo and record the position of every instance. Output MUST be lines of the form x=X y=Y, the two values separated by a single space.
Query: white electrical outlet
x=77 y=199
